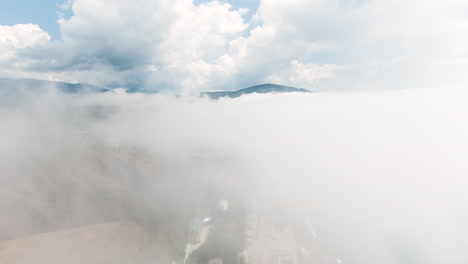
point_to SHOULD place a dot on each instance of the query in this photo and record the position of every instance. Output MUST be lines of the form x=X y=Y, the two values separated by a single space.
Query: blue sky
x=41 y=12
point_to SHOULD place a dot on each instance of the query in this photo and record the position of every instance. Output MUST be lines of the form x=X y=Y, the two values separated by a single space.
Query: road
x=270 y=239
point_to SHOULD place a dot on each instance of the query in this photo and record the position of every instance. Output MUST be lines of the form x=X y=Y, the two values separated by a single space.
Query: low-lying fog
x=381 y=176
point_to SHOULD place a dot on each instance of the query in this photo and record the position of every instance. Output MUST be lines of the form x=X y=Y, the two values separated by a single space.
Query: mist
x=378 y=176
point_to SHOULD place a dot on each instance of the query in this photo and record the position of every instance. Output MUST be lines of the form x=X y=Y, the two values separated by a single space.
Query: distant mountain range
x=15 y=84
x=13 y=87
x=260 y=89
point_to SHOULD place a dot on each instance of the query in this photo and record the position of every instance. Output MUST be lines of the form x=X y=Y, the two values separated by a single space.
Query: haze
x=113 y=152
x=380 y=175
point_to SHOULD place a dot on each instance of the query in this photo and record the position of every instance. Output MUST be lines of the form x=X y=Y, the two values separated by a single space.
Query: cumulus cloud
x=14 y=38
x=377 y=43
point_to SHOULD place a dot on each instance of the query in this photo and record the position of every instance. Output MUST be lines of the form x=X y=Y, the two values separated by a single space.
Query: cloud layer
x=380 y=176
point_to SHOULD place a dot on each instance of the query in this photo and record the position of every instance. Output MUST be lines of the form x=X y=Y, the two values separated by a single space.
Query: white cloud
x=163 y=35
x=13 y=38
x=302 y=75
x=378 y=43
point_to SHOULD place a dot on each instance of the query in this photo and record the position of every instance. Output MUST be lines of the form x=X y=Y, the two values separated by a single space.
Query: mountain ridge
x=10 y=86
x=260 y=89
x=29 y=83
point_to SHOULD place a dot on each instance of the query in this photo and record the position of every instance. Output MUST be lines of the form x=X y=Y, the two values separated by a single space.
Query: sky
x=187 y=46
x=43 y=13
